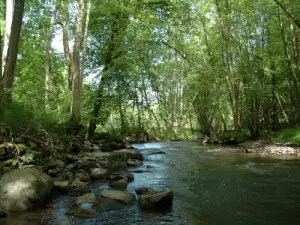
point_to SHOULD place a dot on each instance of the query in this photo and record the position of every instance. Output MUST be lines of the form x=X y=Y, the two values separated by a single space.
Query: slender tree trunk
x=77 y=80
x=64 y=12
x=291 y=71
x=1 y=50
x=85 y=35
x=11 y=58
x=295 y=20
x=48 y=56
x=295 y=38
x=8 y=23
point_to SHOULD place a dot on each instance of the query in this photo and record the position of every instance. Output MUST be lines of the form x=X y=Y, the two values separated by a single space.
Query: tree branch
x=297 y=22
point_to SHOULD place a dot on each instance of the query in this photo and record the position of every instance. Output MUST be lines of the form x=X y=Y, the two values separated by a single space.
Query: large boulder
x=159 y=200
x=23 y=189
x=121 y=196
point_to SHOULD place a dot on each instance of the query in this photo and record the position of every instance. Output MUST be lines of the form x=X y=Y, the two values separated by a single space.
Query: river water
x=212 y=185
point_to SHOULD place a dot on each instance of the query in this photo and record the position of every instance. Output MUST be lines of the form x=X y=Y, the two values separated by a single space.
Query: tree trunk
x=77 y=80
x=295 y=20
x=96 y=110
x=8 y=23
x=64 y=11
x=87 y=19
x=0 y=54
x=48 y=56
x=11 y=58
x=295 y=39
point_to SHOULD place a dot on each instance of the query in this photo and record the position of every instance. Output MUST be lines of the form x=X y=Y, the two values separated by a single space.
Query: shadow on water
x=211 y=185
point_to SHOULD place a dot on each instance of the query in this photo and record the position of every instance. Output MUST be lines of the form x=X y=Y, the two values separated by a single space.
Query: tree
x=8 y=22
x=6 y=82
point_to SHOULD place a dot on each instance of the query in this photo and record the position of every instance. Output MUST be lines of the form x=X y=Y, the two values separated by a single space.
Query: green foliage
x=289 y=135
x=234 y=137
x=19 y=116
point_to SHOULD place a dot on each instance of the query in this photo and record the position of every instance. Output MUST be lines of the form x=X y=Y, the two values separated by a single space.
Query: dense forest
x=151 y=68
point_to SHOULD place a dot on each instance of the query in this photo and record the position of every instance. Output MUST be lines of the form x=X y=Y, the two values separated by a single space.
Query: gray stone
x=119 y=184
x=121 y=175
x=23 y=189
x=82 y=175
x=130 y=154
x=62 y=186
x=141 y=190
x=87 y=198
x=121 y=196
x=78 y=187
x=134 y=162
x=156 y=200
x=98 y=173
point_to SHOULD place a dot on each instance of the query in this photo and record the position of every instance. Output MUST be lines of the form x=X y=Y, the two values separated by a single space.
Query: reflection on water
x=211 y=184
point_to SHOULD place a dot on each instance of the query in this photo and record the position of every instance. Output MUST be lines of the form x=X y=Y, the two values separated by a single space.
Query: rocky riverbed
x=31 y=176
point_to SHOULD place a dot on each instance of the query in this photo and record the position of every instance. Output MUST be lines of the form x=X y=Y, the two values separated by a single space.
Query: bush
x=289 y=135
x=234 y=137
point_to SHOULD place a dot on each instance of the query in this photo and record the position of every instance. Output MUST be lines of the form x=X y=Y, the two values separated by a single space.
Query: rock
x=105 y=147
x=119 y=184
x=2 y=214
x=157 y=152
x=87 y=198
x=116 y=163
x=53 y=172
x=121 y=175
x=23 y=189
x=54 y=164
x=121 y=196
x=116 y=145
x=82 y=175
x=98 y=173
x=78 y=187
x=134 y=162
x=156 y=200
x=62 y=186
x=141 y=190
x=129 y=154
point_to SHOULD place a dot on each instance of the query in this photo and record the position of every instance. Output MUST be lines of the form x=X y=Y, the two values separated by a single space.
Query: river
x=212 y=185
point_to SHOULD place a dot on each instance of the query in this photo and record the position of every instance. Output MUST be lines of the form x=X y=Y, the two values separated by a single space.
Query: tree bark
x=8 y=23
x=295 y=38
x=0 y=54
x=48 y=56
x=85 y=35
x=6 y=83
x=64 y=12
x=77 y=80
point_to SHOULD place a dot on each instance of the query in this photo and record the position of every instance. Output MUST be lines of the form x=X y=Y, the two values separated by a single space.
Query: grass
x=289 y=135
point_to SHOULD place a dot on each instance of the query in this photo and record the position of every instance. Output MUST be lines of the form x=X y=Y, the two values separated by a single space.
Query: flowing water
x=211 y=185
